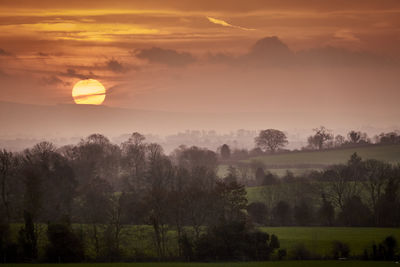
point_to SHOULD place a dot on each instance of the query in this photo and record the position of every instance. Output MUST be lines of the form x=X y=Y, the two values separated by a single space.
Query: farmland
x=319 y=239
x=388 y=153
x=302 y=161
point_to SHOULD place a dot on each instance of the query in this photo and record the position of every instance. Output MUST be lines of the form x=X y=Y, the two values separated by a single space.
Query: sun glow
x=90 y=92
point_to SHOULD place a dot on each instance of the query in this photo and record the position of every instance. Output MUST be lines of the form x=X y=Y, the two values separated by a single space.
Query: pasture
x=388 y=153
x=319 y=239
x=299 y=162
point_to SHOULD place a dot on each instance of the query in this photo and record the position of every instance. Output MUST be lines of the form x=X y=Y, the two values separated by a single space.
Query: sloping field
x=319 y=239
x=388 y=153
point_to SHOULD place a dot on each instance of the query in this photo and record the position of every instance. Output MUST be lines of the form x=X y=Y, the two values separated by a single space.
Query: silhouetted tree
x=282 y=212
x=27 y=238
x=64 y=245
x=376 y=176
x=354 y=213
x=321 y=136
x=339 y=140
x=340 y=250
x=271 y=140
x=225 y=152
x=302 y=213
x=326 y=212
x=356 y=137
x=257 y=212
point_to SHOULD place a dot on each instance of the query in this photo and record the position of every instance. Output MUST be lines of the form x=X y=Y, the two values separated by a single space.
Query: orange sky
x=206 y=56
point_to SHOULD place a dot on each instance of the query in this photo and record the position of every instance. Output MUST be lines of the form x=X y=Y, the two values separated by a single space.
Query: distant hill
x=72 y=120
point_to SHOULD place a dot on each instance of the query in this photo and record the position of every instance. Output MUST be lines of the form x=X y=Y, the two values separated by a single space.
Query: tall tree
x=6 y=169
x=225 y=152
x=376 y=177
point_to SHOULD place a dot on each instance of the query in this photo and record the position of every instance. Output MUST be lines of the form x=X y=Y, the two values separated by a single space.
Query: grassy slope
x=389 y=153
x=233 y=264
x=288 y=161
x=319 y=239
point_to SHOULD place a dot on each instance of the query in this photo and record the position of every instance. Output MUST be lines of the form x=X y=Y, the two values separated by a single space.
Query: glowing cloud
x=226 y=24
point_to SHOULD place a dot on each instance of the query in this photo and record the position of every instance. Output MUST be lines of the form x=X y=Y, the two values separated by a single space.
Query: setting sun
x=90 y=92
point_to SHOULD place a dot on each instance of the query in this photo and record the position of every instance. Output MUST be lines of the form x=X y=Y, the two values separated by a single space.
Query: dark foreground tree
x=234 y=241
x=64 y=245
x=225 y=152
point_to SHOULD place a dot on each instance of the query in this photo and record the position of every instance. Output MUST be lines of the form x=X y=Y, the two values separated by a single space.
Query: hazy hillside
x=388 y=153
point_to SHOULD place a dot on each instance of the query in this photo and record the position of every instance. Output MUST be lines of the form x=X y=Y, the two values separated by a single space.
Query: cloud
x=272 y=52
x=4 y=53
x=52 y=80
x=226 y=24
x=346 y=35
x=2 y=74
x=339 y=57
x=41 y=54
x=74 y=74
x=165 y=56
x=115 y=66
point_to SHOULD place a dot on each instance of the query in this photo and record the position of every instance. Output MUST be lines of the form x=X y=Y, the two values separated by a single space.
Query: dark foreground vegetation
x=97 y=201
x=229 y=264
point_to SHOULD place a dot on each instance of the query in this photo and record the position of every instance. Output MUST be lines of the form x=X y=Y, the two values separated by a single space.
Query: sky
x=296 y=58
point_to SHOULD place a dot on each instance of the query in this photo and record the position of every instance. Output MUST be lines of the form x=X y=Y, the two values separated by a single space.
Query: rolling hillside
x=306 y=159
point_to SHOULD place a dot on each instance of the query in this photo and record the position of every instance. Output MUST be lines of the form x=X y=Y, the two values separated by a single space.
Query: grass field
x=227 y=264
x=388 y=153
x=319 y=239
x=303 y=161
x=254 y=194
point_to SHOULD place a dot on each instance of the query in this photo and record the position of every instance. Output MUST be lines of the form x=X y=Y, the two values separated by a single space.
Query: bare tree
x=355 y=137
x=134 y=160
x=376 y=177
x=6 y=161
x=321 y=136
x=339 y=140
x=340 y=187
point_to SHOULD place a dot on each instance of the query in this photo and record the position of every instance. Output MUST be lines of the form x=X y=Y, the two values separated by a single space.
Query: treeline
x=83 y=202
x=358 y=193
x=85 y=199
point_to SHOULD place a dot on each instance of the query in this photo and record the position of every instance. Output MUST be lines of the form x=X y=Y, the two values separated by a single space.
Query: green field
x=233 y=264
x=319 y=239
x=303 y=161
x=254 y=194
x=388 y=153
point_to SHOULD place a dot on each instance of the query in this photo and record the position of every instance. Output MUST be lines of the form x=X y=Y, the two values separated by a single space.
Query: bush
x=300 y=252
x=340 y=250
x=234 y=241
x=64 y=245
x=282 y=254
x=386 y=250
x=257 y=212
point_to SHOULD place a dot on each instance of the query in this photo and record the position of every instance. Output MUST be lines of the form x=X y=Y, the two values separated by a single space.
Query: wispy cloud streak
x=226 y=24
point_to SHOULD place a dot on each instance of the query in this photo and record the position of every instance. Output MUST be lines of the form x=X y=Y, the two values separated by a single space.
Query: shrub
x=340 y=250
x=282 y=254
x=64 y=245
x=300 y=252
x=257 y=212
x=234 y=241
